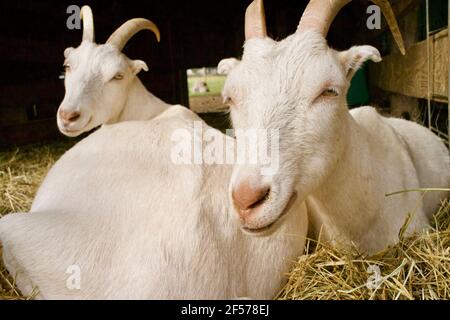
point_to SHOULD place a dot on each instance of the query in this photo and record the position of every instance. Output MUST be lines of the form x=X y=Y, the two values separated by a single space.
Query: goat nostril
x=69 y=116
x=74 y=116
x=264 y=196
x=245 y=198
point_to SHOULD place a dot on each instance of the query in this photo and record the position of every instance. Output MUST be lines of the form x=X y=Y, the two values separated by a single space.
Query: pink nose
x=69 y=116
x=247 y=198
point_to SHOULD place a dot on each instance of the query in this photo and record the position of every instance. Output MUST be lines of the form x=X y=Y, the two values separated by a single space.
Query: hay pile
x=417 y=268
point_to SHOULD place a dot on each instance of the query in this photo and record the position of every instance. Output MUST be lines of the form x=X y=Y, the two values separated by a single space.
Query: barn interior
x=197 y=34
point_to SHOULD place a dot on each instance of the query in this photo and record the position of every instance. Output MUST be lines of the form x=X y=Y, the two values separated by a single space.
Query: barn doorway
x=205 y=87
x=205 y=96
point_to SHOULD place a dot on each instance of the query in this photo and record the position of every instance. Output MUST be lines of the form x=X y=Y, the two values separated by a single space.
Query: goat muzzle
x=68 y=117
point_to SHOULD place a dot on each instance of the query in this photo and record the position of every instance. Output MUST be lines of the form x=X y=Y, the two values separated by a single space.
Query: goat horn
x=121 y=36
x=88 y=24
x=392 y=23
x=255 y=20
x=319 y=14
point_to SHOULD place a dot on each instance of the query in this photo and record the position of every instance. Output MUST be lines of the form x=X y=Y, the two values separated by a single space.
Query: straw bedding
x=417 y=267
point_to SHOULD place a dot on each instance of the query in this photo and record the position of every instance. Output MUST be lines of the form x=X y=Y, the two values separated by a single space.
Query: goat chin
x=137 y=226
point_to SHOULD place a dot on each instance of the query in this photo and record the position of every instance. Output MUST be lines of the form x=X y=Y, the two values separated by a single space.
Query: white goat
x=137 y=226
x=101 y=83
x=116 y=218
x=341 y=163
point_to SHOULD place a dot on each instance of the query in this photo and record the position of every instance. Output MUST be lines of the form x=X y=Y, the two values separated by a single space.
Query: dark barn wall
x=194 y=33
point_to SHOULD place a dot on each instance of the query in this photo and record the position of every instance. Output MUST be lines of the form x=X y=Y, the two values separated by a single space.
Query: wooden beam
x=408 y=75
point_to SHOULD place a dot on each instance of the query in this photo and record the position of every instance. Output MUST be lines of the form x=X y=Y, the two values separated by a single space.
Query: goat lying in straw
x=117 y=214
x=116 y=209
x=101 y=83
x=340 y=162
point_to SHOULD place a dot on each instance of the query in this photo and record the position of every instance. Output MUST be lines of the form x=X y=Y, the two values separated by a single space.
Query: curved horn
x=319 y=14
x=88 y=24
x=392 y=23
x=255 y=20
x=121 y=36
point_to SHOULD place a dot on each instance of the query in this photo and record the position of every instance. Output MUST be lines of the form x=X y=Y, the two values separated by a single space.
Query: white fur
x=94 y=91
x=140 y=227
x=137 y=225
x=226 y=65
x=429 y=156
x=340 y=163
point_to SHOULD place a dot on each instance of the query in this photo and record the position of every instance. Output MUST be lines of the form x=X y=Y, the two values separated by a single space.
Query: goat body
x=378 y=159
x=341 y=163
x=138 y=226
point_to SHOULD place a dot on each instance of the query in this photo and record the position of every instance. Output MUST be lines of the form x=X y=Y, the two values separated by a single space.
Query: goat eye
x=118 y=76
x=66 y=67
x=228 y=101
x=330 y=92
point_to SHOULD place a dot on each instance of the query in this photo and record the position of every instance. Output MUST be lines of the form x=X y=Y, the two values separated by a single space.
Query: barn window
x=205 y=87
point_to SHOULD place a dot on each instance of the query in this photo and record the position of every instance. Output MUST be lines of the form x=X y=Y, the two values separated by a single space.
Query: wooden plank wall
x=408 y=75
x=402 y=83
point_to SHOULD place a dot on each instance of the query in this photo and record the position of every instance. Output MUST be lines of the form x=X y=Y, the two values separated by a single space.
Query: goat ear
x=352 y=59
x=226 y=65
x=138 y=65
x=67 y=52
